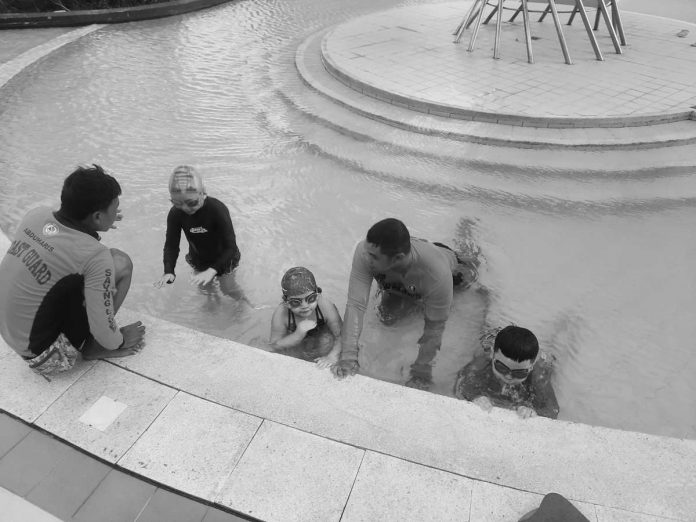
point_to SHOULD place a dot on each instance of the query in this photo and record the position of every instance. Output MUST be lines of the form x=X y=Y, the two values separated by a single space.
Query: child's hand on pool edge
x=526 y=412
x=483 y=402
x=327 y=361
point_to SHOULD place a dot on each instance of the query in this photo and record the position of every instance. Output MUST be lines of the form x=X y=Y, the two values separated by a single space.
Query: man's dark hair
x=87 y=190
x=391 y=236
x=516 y=343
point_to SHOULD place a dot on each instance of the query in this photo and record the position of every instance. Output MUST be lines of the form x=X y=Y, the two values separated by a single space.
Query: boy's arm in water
x=228 y=240
x=280 y=338
x=334 y=322
x=545 y=402
x=358 y=296
x=471 y=380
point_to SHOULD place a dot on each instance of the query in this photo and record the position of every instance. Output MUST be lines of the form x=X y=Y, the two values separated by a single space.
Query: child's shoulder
x=214 y=202
x=543 y=369
x=480 y=361
x=281 y=312
x=487 y=338
x=323 y=300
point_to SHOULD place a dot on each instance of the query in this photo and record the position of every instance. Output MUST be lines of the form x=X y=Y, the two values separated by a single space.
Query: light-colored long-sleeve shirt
x=429 y=278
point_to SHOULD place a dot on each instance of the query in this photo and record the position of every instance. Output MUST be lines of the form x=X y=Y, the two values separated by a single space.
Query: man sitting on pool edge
x=60 y=288
x=407 y=270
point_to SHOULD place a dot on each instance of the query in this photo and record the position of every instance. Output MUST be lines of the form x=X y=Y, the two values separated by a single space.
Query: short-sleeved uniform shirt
x=48 y=263
x=429 y=279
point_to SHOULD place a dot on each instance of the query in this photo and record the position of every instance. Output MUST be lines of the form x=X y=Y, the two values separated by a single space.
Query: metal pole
x=477 y=26
x=579 y=6
x=496 y=53
x=527 y=32
x=603 y=7
x=559 y=30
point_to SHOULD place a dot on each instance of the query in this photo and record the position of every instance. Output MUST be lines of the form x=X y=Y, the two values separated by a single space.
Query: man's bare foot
x=94 y=350
x=133 y=342
x=133 y=335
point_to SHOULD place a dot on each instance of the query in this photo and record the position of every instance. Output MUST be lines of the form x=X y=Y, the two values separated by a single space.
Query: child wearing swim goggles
x=206 y=223
x=513 y=375
x=306 y=324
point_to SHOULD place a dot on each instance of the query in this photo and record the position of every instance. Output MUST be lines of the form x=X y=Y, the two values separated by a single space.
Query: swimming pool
x=596 y=262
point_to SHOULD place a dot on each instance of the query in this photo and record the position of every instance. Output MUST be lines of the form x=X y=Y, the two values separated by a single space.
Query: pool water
x=597 y=263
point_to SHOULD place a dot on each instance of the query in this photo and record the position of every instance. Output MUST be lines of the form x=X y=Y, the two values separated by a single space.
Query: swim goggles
x=188 y=203
x=294 y=302
x=520 y=373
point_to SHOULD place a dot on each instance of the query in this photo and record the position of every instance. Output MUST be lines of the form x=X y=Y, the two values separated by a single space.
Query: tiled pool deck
x=274 y=438
x=401 y=66
x=407 y=55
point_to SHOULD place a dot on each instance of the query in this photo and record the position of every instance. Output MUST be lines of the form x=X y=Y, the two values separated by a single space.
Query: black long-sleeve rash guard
x=210 y=234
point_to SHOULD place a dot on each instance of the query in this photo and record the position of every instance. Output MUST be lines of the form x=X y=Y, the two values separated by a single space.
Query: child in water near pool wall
x=514 y=374
x=207 y=225
x=306 y=324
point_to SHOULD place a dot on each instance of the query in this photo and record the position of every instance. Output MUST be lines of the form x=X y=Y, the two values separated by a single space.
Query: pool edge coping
x=104 y=16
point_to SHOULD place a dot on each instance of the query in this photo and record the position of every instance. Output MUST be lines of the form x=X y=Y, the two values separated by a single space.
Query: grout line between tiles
x=355 y=479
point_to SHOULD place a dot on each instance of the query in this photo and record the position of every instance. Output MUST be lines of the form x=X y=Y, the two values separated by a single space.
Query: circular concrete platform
x=406 y=56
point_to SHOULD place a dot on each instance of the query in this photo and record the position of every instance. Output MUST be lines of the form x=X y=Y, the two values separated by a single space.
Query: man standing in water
x=60 y=288
x=408 y=271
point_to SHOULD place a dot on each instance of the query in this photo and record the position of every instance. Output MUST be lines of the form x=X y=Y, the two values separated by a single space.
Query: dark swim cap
x=298 y=280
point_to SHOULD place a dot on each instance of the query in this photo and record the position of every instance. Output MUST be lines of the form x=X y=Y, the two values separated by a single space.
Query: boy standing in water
x=306 y=324
x=514 y=375
x=208 y=228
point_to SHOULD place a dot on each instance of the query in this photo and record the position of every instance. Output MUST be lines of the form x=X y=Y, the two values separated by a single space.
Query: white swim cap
x=186 y=179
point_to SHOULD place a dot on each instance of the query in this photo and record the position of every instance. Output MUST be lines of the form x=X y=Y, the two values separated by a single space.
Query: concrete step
x=634 y=139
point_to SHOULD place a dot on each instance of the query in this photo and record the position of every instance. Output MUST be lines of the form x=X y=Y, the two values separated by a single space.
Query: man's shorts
x=60 y=327
x=58 y=357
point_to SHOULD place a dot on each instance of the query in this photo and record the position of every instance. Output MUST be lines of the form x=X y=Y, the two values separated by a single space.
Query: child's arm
x=171 y=244
x=334 y=321
x=280 y=339
x=227 y=238
x=545 y=401
x=471 y=380
x=333 y=318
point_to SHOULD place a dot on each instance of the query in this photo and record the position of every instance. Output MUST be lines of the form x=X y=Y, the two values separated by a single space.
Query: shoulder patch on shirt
x=198 y=230
x=50 y=229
